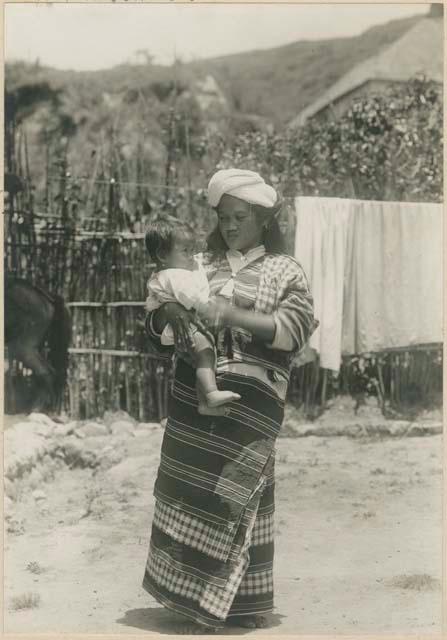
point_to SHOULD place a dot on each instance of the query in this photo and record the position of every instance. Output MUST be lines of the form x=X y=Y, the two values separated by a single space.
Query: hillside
x=275 y=83
x=122 y=115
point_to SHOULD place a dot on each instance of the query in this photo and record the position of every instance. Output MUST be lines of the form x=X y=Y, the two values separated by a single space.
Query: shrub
x=385 y=147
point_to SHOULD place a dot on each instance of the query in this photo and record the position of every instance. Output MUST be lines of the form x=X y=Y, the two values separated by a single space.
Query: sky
x=99 y=36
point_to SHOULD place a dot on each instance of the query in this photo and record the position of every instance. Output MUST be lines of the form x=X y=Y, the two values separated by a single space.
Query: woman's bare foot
x=250 y=622
x=191 y=628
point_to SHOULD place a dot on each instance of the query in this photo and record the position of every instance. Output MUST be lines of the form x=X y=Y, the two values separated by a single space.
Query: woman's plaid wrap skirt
x=211 y=548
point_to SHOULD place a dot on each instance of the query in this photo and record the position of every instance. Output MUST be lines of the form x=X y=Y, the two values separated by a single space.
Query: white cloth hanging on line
x=393 y=280
x=375 y=271
x=320 y=247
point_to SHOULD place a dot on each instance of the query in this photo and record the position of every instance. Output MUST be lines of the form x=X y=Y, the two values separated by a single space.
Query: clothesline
x=92 y=235
x=45 y=215
x=114 y=181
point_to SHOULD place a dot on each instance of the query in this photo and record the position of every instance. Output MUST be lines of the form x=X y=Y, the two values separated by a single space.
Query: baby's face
x=181 y=255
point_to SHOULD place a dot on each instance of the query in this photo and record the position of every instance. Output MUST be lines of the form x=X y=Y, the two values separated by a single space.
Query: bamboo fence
x=85 y=242
x=111 y=363
x=103 y=282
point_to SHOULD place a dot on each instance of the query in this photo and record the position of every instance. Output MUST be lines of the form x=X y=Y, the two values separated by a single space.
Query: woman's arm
x=294 y=316
x=289 y=326
x=219 y=314
x=260 y=325
x=158 y=319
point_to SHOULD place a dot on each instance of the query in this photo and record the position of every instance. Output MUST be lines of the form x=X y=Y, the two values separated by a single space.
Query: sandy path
x=358 y=546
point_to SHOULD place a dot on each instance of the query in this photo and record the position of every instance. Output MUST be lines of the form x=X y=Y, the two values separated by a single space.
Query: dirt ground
x=358 y=541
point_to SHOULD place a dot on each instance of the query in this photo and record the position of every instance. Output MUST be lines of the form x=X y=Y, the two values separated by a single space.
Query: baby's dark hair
x=160 y=237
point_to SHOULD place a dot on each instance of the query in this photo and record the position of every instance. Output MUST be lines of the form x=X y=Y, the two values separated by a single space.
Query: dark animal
x=34 y=319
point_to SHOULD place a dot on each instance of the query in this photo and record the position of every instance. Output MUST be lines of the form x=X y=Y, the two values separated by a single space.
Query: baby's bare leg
x=206 y=381
x=205 y=370
x=210 y=398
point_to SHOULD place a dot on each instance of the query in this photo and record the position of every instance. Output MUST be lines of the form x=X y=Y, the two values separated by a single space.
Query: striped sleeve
x=154 y=337
x=294 y=315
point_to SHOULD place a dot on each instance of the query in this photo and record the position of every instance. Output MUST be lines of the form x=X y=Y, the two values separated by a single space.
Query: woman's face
x=240 y=226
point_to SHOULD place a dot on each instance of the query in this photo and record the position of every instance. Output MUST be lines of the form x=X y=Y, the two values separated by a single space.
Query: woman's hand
x=180 y=320
x=219 y=314
x=216 y=315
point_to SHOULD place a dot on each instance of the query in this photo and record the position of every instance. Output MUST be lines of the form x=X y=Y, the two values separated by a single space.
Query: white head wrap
x=243 y=184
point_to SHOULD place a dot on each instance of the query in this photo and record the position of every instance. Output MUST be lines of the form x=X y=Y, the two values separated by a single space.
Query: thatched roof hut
x=418 y=52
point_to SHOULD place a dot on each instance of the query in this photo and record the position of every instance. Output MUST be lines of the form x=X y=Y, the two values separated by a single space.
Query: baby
x=180 y=278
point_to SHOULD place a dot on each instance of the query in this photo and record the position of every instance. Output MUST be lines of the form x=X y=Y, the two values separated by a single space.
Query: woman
x=211 y=551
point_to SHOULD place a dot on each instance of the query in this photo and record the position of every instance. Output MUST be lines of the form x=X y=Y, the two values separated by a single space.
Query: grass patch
x=416 y=582
x=35 y=567
x=378 y=472
x=25 y=601
x=15 y=527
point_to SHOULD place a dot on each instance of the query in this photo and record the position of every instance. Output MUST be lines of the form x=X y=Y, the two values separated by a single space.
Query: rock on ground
x=92 y=429
x=24 y=447
x=122 y=427
x=41 y=418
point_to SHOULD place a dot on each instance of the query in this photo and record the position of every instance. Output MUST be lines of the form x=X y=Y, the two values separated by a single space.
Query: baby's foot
x=205 y=410
x=250 y=622
x=218 y=398
x=214 y=403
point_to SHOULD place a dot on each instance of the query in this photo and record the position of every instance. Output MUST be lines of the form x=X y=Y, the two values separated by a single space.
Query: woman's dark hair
x=273 y=239
x=160 y=236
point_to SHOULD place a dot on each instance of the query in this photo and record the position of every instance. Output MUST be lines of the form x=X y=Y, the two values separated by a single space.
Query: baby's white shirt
x=190 y=288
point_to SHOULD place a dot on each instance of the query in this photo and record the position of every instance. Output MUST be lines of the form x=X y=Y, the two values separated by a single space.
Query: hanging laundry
x=320 y=247
x=375 y=271
x=393 y=282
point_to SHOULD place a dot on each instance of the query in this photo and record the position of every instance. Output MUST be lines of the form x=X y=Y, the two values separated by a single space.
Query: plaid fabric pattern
x=279 y=274
x=172 y=579
x=263 y=531
x=222 y=599
x=276 y=272
x=191 y=531
x=255 y=595
x=214 y=599
x=284 y=290
x=217 y=600
x=214 y=604
x=256 y=583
